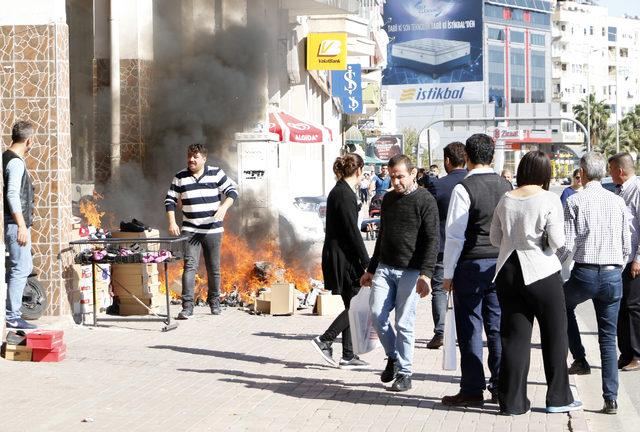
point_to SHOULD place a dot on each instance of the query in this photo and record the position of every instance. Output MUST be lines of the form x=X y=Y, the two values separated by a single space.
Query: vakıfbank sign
x=327 y=51
x=436 y=51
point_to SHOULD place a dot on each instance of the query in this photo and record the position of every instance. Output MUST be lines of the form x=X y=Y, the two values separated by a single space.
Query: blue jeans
x=395 y=288
x=476 y=307
x=438 y=299
x=604 y=288
x=19 y=267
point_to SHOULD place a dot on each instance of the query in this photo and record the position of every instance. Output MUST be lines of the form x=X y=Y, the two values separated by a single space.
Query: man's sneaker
x=580 y=367
x=355 y=363
x=185 y=313
x=389 y=373
x=215 y=306
x=324 y=349
x=402 y=383
x=19 y=323
x=573 y=406
x=610 y=407
x=436 y=342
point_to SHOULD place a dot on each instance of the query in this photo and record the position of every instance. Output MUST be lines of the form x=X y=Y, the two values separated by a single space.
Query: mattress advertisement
x=435 y=51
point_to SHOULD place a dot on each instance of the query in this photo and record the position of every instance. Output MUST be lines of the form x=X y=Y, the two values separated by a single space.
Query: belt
x=599 y=267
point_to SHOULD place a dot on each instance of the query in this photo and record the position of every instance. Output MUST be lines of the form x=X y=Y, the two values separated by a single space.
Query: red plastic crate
x=54 y=355
x=45 y=339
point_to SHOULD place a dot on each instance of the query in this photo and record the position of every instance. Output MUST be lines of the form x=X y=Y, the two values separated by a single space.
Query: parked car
x=301 y=225
x=608 y=184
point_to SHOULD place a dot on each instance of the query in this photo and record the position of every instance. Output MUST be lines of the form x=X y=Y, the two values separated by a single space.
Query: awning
x=295 y=130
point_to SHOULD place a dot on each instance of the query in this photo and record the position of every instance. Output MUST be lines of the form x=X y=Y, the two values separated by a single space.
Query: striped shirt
x=629 y=191
x=200 y=198
x=596 y=227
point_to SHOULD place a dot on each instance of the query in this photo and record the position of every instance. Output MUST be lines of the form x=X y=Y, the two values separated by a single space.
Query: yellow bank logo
x=327 y=51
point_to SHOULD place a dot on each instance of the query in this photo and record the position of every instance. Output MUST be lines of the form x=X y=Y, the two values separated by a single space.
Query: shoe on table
x=19 y=323
x=633 y=365
x=573 y=406
x=354 y=363
x=580 y=367
x=390 y=371
x=464 y=400
x=436 y=342
x=402 y=383
x=184 y=314
x=324 y=349
x=215 y=306
x=610 y=406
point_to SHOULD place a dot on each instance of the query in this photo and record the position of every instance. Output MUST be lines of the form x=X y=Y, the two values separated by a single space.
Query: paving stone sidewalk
x=242 y=372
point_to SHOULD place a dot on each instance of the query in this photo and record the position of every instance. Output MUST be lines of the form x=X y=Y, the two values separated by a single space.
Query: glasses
x=577 y=177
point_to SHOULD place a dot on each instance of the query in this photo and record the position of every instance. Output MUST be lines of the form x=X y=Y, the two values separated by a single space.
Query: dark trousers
x=364 y=195
x=629 y=317
x=476 y=307
x=341 y=325
x=210 y=245
x=520 y=304
x=438 y=298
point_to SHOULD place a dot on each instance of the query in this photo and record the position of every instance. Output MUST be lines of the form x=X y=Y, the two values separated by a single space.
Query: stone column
x=34 y=85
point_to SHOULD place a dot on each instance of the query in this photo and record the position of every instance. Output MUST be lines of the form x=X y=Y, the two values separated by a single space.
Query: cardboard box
x=152 y=247
x=54 y=355
x=154 y=298
x=16 y=352
x=133 y=269
x=329 y=304
x=282 y=299
x=134 y=281
x=129 y=305
x=45 y=339
x=262 y=306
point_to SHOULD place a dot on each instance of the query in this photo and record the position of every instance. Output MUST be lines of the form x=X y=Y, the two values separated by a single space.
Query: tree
x=594 y=116
x=630 y=131
x=411 y=140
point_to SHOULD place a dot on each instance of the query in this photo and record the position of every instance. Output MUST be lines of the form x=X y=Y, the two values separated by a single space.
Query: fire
x=90 y=210
x=238 y=260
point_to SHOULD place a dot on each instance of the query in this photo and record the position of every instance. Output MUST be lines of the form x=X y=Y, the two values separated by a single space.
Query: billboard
x=347 y=85
x=384 y=147
x=327 y=51
x=435 y=53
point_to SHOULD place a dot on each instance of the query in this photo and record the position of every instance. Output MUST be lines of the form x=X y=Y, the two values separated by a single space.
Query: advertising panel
x=347 y=85
x=435 y=53
x=384 y=147
x=327 y=51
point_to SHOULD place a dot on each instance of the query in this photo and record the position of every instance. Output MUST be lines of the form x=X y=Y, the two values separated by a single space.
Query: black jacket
x=344 y=256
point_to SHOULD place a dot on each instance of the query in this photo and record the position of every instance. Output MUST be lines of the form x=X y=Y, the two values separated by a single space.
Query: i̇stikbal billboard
x=435 y=51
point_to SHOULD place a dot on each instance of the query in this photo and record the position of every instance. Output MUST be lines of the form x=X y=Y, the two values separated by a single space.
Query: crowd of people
x=496 y=252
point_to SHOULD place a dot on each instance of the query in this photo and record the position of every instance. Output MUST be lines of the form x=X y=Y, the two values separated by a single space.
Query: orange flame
x=90 y=210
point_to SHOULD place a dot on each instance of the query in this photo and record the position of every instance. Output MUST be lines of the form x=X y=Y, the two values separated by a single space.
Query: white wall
x=27 y=12
x=136 y=28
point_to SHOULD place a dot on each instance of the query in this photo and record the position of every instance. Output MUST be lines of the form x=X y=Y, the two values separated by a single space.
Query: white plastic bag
x=449 y=360
x=363 y=336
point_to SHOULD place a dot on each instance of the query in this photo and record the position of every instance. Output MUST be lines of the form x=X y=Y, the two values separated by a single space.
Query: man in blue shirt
x=381 y=183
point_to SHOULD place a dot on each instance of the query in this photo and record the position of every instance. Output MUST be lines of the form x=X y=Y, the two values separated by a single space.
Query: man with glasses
x=576 y=186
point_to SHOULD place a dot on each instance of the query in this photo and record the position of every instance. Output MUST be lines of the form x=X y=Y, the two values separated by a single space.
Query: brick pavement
x=242 y=372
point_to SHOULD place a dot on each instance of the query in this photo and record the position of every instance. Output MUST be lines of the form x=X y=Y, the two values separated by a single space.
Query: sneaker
x=580 y=367
x=389 y=373
x=184 y=314
x=464 y=400
x=494 y=396
x=573 y=406
x=215 y=306
x=355 y=363
x=402 y=383
x=436 y=342
x=610 y=407
x=324 y=349
x=19 y=323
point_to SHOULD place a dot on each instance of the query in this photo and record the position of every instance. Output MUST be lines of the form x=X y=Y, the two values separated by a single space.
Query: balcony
x=320 y=7
x=352 y=25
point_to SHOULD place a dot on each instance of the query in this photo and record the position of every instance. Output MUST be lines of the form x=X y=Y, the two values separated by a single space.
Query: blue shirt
x=566 y=194
x=382 y=184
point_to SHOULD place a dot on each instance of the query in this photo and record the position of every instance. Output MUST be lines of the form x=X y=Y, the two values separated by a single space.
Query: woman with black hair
x=344 y=257
x=528 y=227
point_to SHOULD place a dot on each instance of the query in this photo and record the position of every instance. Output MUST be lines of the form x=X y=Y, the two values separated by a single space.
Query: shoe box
x=16 y=352
x=131 y=281
x=328 y=304
x=37 y=346
x=280 y=300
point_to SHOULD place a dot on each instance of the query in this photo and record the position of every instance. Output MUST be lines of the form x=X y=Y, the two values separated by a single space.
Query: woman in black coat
x=344 y=257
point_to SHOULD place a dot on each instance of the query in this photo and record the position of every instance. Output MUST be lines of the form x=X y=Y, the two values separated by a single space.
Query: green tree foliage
x=594 y=116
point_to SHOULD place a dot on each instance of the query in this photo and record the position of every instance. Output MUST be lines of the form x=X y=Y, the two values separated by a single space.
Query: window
x=591 y=30
x=537 y=39
x=564 y=27
x=517 y=75
x=538 y=78
x=517 y=36
x=517 y=15
x=603 y=34
x=496 y=76
x=496 y=34
x=624 y=52
x=493 y=11
x=613 y=32
x=540 y=18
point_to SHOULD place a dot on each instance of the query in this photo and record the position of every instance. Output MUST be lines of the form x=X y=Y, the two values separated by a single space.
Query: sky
x=620 y=7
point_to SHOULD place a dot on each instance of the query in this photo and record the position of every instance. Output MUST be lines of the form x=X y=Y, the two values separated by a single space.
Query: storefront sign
x=327 y=51
x=347 y=85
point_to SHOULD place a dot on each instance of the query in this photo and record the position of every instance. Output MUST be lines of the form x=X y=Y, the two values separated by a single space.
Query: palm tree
x=594 y=116
x=630 y=131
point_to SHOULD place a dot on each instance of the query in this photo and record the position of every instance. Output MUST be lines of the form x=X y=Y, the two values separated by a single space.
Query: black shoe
x=610 y=406
x=184 y=314
x=325 y=350
x=19 y=323
x=464 y=400
x=389 y=373
x=494 y=396
x=436 y=342
x=402 y=383
x=215 y=306
x=580 y=367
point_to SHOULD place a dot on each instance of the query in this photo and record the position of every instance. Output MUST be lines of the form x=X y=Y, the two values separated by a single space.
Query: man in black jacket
x=441 y=189
x=401 y=267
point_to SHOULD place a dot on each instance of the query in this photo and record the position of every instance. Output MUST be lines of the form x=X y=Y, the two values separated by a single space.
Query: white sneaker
x=355 y=363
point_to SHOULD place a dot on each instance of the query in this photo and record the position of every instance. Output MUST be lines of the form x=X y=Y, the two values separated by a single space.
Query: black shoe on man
x=610 y=407
x=580 y=367
x=215 y=306
x=464 y=400
x=185 y=314
x=402 y=383
x=389 y=373
x=436 y=342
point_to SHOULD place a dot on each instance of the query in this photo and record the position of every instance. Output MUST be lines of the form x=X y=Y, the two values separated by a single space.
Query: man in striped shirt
x=200 y=188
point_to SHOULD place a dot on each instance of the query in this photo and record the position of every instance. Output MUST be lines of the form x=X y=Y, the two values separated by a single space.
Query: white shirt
x=457 y=219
